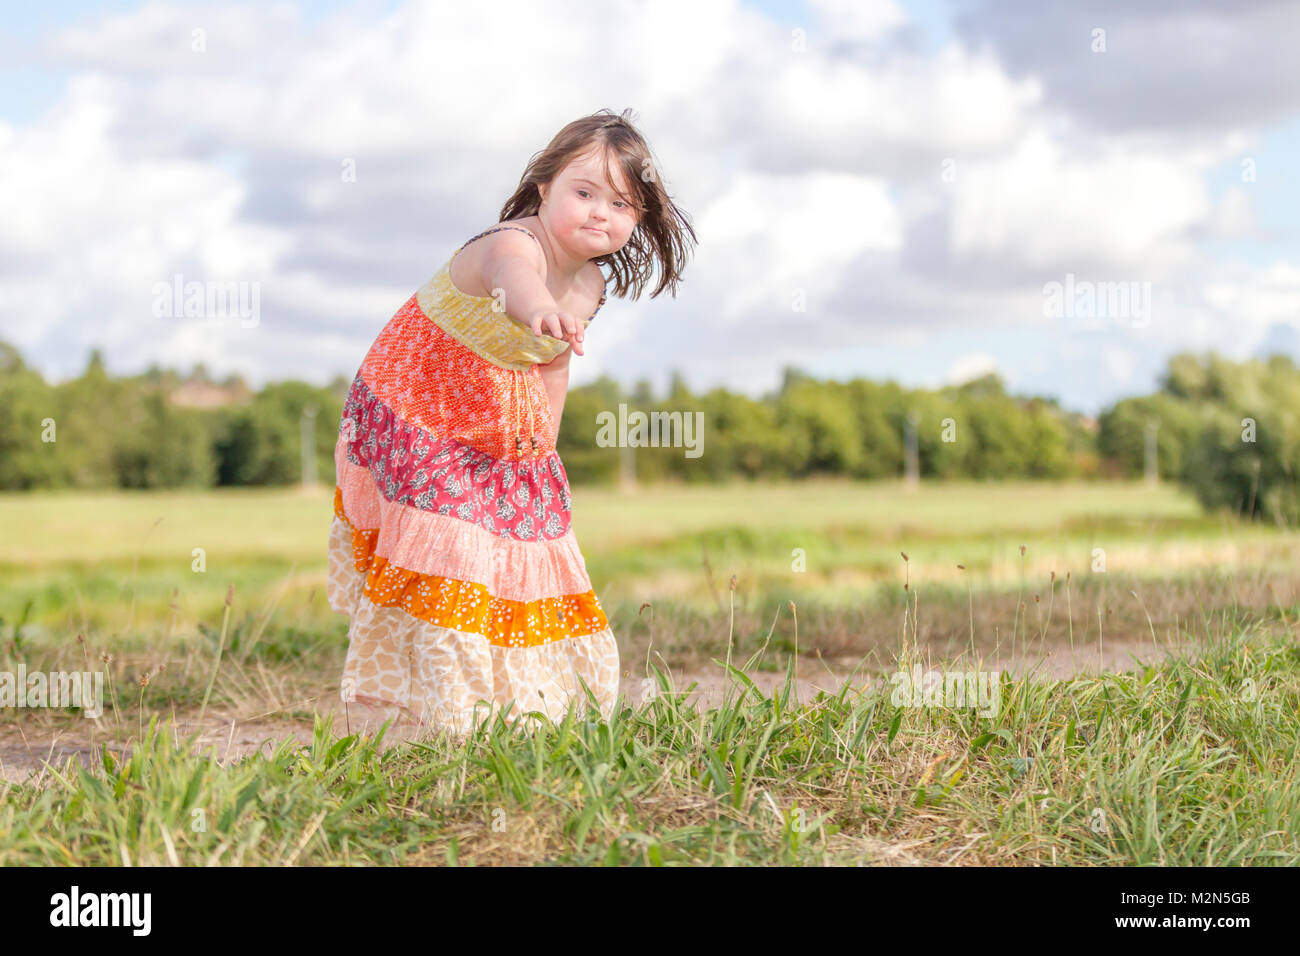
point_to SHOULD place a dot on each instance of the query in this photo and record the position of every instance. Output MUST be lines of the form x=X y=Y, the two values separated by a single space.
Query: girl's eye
x=583 y=193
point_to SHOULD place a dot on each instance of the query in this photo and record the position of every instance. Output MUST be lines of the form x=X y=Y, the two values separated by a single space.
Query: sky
x=919 y=191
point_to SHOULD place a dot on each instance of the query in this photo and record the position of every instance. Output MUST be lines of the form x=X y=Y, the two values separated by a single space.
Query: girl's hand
x=559 y=325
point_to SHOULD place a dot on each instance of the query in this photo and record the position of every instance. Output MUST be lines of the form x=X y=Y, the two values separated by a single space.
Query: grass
x=1186 y=762
x=124 y=562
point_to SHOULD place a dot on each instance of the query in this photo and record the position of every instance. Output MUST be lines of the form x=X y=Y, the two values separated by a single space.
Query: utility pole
x=309 y=444
x=1152 y=468
x=911 y=456
x=627 y=468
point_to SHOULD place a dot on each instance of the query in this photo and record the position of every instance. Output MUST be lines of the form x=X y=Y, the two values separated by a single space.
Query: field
x=1147 y=687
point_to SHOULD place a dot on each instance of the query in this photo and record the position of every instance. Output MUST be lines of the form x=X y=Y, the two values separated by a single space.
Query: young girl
x=451 y=547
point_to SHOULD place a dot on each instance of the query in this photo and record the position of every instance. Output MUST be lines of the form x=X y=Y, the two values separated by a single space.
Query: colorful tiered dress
x=451 y=547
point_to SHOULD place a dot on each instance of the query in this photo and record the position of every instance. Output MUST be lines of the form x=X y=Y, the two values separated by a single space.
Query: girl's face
x=584 y=212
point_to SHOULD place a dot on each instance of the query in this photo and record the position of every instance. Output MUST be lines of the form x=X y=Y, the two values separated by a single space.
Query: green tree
x=821 y=428
x=160 y=446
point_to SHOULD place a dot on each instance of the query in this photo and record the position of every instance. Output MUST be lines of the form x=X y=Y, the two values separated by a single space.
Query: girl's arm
x=513 y=263
x=555 y=376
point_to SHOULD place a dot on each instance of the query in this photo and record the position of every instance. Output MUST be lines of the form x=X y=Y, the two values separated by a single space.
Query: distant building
x=199 y=394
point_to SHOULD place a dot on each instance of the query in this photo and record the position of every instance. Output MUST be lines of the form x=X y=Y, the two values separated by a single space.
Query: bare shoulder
x=477 y=258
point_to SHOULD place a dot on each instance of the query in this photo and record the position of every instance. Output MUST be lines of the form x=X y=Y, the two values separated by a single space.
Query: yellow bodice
x=473 y=322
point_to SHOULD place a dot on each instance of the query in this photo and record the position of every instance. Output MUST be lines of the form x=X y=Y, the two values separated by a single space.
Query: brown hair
x=661 y=229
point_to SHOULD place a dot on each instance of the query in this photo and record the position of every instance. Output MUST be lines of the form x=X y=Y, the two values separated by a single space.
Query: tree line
x=1230 y=431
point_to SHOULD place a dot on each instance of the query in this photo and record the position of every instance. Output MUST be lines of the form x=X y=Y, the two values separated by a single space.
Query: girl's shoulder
x=521 y=226
x=466 y=263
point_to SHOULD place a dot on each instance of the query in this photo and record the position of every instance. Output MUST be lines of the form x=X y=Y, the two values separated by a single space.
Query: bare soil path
x=25 y=746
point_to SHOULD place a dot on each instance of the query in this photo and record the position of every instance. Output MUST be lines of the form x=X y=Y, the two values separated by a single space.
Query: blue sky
x=126 y=160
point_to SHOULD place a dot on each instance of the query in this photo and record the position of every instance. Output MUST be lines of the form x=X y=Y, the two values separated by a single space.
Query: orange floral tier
x=467 y=605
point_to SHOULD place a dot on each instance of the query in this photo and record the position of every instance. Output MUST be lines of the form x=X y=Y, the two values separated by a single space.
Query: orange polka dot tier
x=450 y=546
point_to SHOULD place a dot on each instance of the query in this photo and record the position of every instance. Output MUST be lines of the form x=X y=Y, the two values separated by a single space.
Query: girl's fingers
x=559 y=325
x=575 y=342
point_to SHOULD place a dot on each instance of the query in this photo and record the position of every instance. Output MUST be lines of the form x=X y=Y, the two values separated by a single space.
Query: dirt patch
x=229 y=736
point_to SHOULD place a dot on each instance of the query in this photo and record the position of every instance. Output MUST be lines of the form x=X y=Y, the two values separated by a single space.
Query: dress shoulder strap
x=497 y=229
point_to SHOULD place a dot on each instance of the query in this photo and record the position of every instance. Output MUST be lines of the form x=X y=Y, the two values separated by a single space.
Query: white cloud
x=1234 y=216
x=965 y=368
x=1048 y=208
x=1256 y=299
x=100 y=227
x=857 y=19
x=816 y=171
x=768 y=235
x=1120 y=364
x=954 y=102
